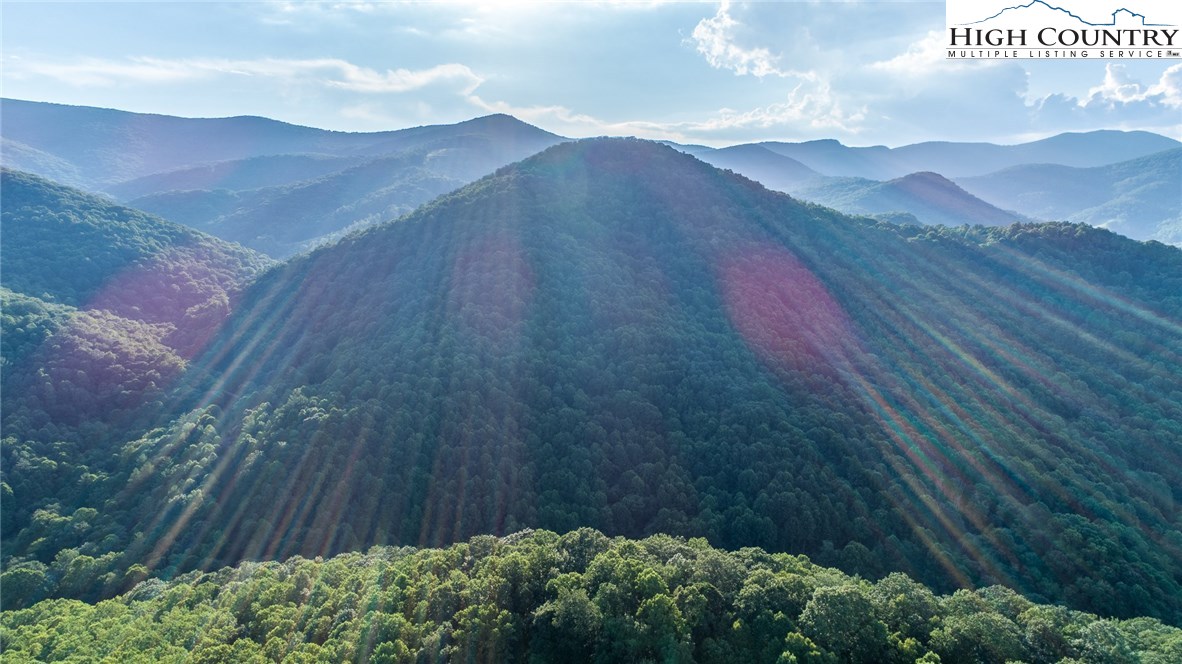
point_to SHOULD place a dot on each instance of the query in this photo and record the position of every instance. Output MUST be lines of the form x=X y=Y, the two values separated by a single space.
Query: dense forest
x=542 y=597
x=101 y=309
x=613 y=334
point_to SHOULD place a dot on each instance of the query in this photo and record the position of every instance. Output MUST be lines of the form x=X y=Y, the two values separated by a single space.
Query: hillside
x=928 y=197
x=74 y=248
x=770 y=169
x=539 y=596
x=284 y=220
x=958 y=160
x=613 y=334
x=102 y=308
x=1140 y=198
x=289 y=218
x=235 y=175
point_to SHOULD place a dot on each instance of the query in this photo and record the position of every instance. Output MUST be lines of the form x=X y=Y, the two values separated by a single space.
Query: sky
x=715 y=73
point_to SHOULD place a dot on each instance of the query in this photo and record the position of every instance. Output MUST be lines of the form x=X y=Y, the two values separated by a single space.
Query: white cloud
x=361 y=79
x=1119 y=88
x=715 y=39
x=330 y=72
x=567 y=122
x=927 y=56
x=811 y=106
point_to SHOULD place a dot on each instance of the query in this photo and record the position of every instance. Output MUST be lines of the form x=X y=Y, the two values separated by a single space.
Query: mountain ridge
x=108 y=146
x=614 y=334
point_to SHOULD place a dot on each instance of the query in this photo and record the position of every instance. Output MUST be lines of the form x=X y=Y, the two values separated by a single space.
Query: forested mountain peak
x=615 y=334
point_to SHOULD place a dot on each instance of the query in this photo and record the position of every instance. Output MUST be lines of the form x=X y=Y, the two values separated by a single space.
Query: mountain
x=959 y=160
x=614 y=334
x=66 y=246
x=102 y=308
x=772 y=170
x=580 y=596
x=289 y=218
x=284 y=220
x=235 y=175
x=276 y=188
x=929 y=198
x=105 y=147
x=1140 y=198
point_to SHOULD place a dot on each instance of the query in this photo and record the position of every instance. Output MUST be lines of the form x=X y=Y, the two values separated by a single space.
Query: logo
x=1064 y=29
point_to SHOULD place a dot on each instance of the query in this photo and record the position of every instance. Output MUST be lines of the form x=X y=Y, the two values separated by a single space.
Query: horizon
x=579 y=138
x=715 y=74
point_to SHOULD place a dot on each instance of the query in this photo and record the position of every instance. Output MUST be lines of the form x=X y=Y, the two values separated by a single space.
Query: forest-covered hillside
x=579 y=597
x=613 y=334
x=102 y=306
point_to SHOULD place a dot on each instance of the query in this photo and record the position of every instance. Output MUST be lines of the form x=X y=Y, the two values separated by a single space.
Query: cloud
x=927 y=56
x=361 y=79
x=567 y=122
x=1119 y=88
x=329 y=72
x=715 y=39
x=811 y=106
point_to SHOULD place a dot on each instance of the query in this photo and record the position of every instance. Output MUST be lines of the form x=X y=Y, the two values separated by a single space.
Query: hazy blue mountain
x=235 y=175
x=21 y=157
x=929 y=198
x=614 y=334
x=831 y=157
x=956 y=160
x=284 y=220
x=107 y=147
x=772 y=170
x=1140 y=198
x=274 y=187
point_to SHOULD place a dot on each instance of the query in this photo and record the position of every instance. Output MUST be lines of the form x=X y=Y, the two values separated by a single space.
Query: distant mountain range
x=772 y=169
x=273 y=187
x=957 y=160
x=282 y=189
x=1140 y=198
x=286 y=219
x=103 y=147
x=927 y=198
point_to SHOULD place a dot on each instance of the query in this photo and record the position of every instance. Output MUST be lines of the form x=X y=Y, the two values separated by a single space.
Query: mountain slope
x=772 y=170
x=1140 y=198
x=102 y=307
x=235 y=175
x=614 y=334
x=66 y=246
x=929 y=197
x=957 y=160
x=284 y=220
